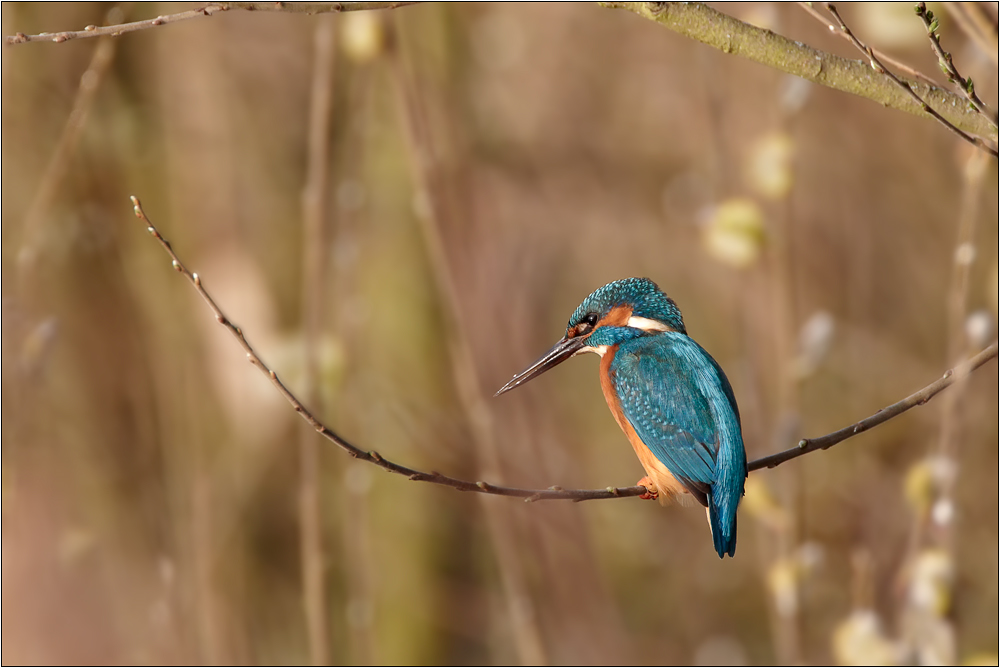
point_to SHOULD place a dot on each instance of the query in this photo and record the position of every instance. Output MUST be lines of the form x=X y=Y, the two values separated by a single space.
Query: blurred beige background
x=487 y=166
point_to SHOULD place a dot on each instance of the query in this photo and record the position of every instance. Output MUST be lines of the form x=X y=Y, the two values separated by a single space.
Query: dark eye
x=586 y=324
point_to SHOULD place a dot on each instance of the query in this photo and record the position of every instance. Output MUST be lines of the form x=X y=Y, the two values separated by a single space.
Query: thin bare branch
x=207 y=10
x=916 y=74
x=356 y=452
x=968 y=88
x=920 y=398
x=805 y=446
x=721 y=31
x=882 y=69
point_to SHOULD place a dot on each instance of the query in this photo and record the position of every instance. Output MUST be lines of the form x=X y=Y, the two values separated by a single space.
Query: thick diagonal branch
x=721 y=31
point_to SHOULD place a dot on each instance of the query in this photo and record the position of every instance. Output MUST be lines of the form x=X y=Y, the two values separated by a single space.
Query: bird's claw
x=651 y=491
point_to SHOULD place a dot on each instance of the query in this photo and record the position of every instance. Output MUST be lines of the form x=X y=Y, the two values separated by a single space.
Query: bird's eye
x=586 y=324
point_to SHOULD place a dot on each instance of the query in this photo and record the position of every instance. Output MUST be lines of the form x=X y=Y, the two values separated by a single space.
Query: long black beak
x=560 y=352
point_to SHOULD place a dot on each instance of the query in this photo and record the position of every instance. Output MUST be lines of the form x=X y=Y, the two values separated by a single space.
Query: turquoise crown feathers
x=641 y=294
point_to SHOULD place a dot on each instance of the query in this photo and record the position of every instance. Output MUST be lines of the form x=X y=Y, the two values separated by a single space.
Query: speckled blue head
x=619 y=311
x=641 y=295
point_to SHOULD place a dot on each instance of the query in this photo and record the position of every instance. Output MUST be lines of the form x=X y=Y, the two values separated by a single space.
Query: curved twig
x=882 y=69
x=805 y=446
x=966 y=85
x=920 y=398
x=207 y=10
x=356 y=452
x=916 y=74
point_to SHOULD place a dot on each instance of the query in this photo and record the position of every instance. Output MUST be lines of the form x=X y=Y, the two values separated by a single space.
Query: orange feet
x=651 y=491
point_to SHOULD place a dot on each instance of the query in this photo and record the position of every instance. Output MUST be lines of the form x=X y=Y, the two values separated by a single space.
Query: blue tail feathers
x=723 y=531
x=724 y=499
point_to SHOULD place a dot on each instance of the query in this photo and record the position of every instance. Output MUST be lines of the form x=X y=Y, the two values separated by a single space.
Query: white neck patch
x=647 y=325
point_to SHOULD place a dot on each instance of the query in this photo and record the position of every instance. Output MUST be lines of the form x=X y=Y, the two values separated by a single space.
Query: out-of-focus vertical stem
x=862 y=579
x=974 y=23
x=958 y=291
x=787 y=422
x=358 y=555
x=975 y=168
x=61 y=159
x=935 y=530
x=527 y=636
x=210 y=641
x=356 y=538
x=313 y=281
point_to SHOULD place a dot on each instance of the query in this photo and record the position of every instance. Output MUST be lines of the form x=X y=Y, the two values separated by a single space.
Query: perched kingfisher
x=668 y=395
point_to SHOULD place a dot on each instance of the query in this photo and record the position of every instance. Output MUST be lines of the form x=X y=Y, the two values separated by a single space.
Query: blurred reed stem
x=32 y=233
x=786 y=420
x=433 y=198
x=314 y=201
x=958 y=344
x=356 y=516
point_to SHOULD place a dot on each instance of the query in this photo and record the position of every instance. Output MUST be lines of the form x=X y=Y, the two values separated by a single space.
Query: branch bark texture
x=721 y=31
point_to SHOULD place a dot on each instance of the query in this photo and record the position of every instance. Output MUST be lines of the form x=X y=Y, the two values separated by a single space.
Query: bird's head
x=618 y=311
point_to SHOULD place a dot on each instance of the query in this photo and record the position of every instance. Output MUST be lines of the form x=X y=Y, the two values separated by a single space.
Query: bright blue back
x=681 y=405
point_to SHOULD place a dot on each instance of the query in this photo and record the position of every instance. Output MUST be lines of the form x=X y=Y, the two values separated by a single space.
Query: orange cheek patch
x=616 y=317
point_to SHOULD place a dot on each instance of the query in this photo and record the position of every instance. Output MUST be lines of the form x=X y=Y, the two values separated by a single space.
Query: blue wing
x=681 y=405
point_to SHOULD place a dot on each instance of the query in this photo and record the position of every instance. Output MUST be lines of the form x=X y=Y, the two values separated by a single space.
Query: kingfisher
x=668 y=395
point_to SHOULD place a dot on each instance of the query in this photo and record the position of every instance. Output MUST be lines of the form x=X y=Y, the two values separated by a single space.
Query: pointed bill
x=560 y=352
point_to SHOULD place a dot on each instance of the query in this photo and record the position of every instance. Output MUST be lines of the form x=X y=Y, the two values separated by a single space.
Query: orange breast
x=665 y=482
